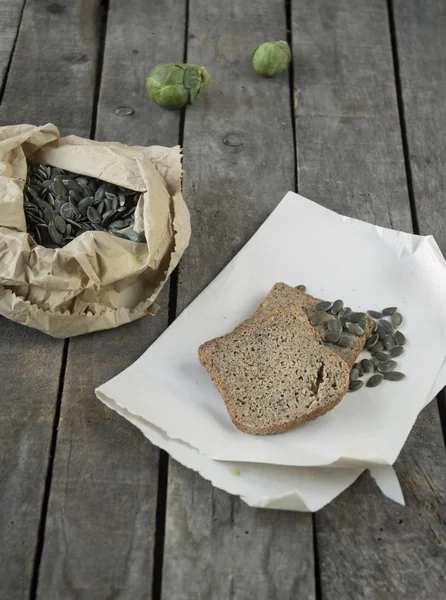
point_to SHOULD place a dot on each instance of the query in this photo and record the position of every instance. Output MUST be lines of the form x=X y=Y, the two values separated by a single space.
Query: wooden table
x=88 y=508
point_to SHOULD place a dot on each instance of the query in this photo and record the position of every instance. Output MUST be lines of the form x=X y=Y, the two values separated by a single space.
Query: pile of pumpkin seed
x=60 y=206
x=385 y=343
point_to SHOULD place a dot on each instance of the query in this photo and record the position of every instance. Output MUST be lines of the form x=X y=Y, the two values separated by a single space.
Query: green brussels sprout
x=271 y=58
x=173 y=85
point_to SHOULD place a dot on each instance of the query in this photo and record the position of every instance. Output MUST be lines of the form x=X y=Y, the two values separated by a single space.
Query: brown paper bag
x=97 y=281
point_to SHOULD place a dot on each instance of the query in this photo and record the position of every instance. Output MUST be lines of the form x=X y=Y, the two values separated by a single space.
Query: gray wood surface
x=350 y=159
x=420 y=31
x=10 y=13
x=100 y=529
x=45 y=83
x=238 y=162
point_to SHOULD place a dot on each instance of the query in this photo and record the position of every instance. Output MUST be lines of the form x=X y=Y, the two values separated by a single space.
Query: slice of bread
x=282 y=294
x=275 y=374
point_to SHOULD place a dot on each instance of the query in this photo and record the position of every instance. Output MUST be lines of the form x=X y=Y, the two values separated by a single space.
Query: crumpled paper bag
x=97 y=281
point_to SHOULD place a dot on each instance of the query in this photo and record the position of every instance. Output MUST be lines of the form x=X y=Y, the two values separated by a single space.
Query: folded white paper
x=170 y=397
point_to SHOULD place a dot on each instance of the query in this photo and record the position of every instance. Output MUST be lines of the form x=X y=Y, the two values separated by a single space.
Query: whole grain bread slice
x=282 y=294
x=275 y=374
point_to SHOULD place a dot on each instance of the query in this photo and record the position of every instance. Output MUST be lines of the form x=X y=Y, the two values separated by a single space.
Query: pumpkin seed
x=381 y=356
x=322 y=306
x=400 y=338
x=371 y=342
x=319 y=318
x=67 y=211
x=354 y=374
x=397 y=319
x=394 y=376
x=301 y=288
x=55 y=235
x=122 y=202
x=374 y=380
x=93 y=215
x=335 y=326
x=389 y=342
x=345 y=342
x=332 y=338
x=99 y=194
x=59 y=188
x=389 y=311
x=356 y=317
x=381 y=332
x=345 y=312
x=72 y=185
x=386 y=367
x=60 y=224
x=375 y=327
x=367 y=365
x=375 y=362
x=355 y=385
x=363 y=323
x=338 y=305
x=84 y=204
x=396 y=351
x=136 y=236
x=361 y=370
x=354 y=328
x=387 y=326
x=375 y=314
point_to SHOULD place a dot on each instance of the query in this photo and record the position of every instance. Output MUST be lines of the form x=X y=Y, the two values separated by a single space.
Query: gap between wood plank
x=102 y=25
x=163 y=466
x=49 y=477
x=11 y=56
x=441 y=398
x=289 y=36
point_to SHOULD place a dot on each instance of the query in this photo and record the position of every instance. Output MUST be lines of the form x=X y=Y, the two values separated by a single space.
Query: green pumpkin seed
x=338 y=305
x=389 y=342
x=386 y=367
x=367 y=365
x=400 y=338
x=375 y=314
x=354 y=328
x=375 y=362
x=361 y=370
x=84 y=204
x=59 y=188
x=99 y=194
x=136 y=236
x=93 y=215
x=394 y=376
x=354 y=374
x=322 y=306
x=70 y=184
x=332 y=338
x=356 y=317
x=374 y=380
x=345 y=342
x=319 y=318
x=372 y=341
x=60 y=224
x=363 y=323
x=67 y=211
x=389 y=311
x=119 y=224
x=381 y=332
x=55 y=235
x=387 y=326
x=345 y=312
x=335 y=326
x=355 y=385
x=301 y=288
x=375 y=327
x=381 y=356
x=396 y=351
x=397 y=319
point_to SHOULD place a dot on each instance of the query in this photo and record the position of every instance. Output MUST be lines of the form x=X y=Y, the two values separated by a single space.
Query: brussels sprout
x=173 y=85
x=271 y=58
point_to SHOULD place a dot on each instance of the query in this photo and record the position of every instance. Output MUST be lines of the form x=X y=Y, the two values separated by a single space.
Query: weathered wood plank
x=42 y=86
x=99 y=537
x=350 y=159
x=10 y=13
x=420 y=33
x=238 y=162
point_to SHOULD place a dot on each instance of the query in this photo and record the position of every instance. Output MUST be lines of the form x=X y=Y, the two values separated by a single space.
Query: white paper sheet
x=169 y=396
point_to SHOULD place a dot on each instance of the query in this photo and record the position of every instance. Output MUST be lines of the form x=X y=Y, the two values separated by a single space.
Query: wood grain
x=42 y=86
x=238 y=162
x=350 y=159
x=10 y=13
x=420 y=33
x=99 y=537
